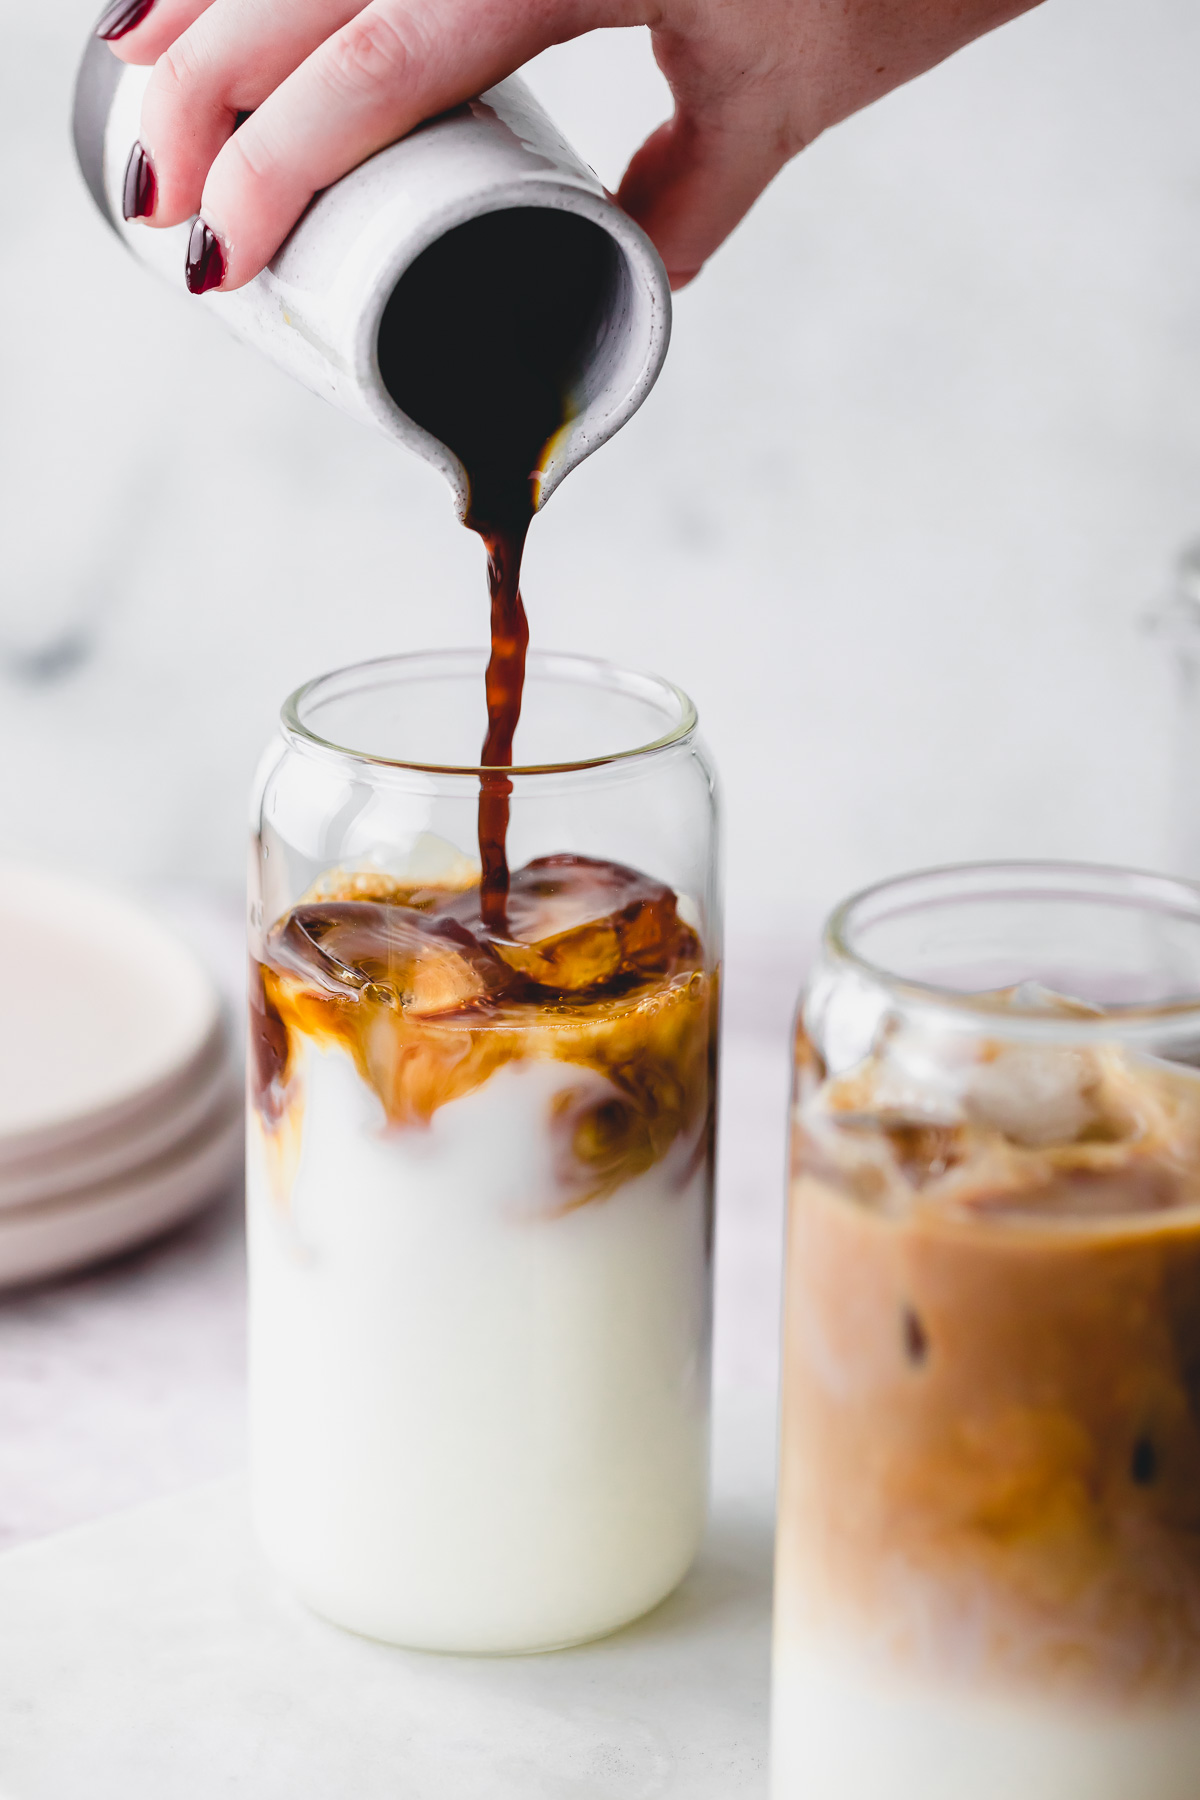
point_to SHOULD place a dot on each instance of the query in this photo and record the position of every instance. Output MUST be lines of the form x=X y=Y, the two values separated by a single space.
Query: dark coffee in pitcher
x=481 y=345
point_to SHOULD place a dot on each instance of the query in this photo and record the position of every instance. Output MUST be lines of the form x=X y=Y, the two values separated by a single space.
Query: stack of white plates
x=120 y=1105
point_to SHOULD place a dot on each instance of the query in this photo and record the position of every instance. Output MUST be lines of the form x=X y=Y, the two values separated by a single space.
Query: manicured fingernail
x=205 y=259
x=122 y=16
x=141 y=185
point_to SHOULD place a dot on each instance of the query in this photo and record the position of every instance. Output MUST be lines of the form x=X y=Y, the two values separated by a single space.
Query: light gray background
x=927 y=441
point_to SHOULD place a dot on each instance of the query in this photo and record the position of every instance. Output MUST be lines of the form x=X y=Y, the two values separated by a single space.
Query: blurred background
x=913 y=482
x=927 y=442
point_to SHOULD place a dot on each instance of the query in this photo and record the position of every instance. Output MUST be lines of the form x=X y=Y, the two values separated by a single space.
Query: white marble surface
x=123 y=1383
x=153 y=1657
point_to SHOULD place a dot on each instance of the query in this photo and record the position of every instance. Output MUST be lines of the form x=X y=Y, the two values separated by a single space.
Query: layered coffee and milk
x=481 y=1143
x=480 y=1215
x=989 y=1536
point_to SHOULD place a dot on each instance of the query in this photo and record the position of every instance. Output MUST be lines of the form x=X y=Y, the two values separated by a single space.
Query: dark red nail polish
x=141 y=185
x=122 y=16
x=205 y=259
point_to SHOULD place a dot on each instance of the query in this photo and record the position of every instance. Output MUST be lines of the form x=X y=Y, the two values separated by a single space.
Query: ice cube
x=575 y=923
x=448 y=972
x=1035 y=1094
x=351 y=948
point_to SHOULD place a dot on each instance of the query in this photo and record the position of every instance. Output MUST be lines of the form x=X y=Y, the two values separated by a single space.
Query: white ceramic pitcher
x=316 y=310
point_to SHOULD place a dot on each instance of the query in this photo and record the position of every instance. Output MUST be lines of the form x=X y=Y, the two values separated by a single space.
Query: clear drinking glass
x=480 y=1166
x=988 y=1572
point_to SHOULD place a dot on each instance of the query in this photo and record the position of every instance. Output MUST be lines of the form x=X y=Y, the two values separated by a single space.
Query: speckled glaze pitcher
x=317 y=309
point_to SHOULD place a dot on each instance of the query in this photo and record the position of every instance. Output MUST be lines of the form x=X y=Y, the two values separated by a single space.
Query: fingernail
x=122 y=16
x=141 y=185
x=205 y=259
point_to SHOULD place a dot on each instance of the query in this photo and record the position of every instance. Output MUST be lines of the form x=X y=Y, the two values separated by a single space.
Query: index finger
x=393 y=65
x=138 y=31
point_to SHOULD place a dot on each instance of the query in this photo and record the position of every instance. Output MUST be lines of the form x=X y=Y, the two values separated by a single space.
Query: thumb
x=696 y=177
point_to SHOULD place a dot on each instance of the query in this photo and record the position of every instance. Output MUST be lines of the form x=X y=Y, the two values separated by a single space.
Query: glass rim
x=1016 y=879
x=591 y=671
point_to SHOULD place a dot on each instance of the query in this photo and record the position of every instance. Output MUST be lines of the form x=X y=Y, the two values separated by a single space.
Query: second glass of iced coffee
x=988 y=1577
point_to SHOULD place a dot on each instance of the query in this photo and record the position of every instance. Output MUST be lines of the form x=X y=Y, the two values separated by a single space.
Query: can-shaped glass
x=480 y=1159
x=988 y=1564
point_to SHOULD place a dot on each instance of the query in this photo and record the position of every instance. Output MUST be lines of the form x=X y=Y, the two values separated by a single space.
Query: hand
x=331 y=81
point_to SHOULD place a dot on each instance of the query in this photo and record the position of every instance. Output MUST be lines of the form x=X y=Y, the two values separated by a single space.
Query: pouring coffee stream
x=481 y=345
x=472 y=292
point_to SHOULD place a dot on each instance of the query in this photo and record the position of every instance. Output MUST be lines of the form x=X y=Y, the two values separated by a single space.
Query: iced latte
x=480 y=1220
x=988 y=1578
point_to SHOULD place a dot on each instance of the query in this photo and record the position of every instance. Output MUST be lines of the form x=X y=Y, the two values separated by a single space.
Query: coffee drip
x=482 y=344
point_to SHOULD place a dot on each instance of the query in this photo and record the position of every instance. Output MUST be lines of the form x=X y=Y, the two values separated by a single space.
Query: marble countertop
x=154 y=1656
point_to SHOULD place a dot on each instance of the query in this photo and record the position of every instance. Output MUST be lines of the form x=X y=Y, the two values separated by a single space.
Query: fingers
x=695 y=178
x=224 y=64
x=329 y=82
x=755 y=82
x=138 y=31
x=393 y=64
x=735 y=125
